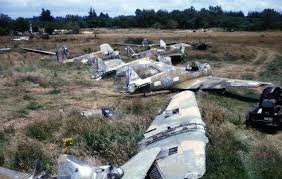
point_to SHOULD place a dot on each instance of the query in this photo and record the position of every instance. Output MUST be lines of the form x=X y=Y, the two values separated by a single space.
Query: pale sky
x=29 y=8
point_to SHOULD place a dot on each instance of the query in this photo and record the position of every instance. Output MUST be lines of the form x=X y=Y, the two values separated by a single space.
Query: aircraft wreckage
x=174 y=146
x=160 y=76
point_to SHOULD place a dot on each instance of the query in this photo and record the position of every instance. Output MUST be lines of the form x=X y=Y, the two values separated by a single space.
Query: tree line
x=190 y=18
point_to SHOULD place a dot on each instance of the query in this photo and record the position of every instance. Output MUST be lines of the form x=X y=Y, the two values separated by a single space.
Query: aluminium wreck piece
x=174 y=146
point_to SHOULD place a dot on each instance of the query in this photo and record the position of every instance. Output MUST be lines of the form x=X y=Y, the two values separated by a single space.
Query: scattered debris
x=39 y=51
x=3 y=50
x=104 y=112
x=62 y=31
x=21 y=39
x=68 y=167
x=268 y=112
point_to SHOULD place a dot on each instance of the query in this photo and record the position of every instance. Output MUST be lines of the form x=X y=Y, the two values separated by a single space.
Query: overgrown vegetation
x=273 y=71
x=223 y=159
x=22 y=156
x=43 y=130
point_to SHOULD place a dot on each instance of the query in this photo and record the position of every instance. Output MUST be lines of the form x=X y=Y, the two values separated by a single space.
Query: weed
x=54 y=92
x=28 y=97
x=273 y=71
x=222 y=160
x=33 y=106
x=23 y=156
x=248 y=76
x=266 y=162
x=115 y=143
x=87 y=50
x=43 y=130
x=131 y=40
x=33 y=79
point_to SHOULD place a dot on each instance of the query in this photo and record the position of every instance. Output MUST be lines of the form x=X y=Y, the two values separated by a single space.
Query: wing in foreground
x=216 y=83
x=180 y=133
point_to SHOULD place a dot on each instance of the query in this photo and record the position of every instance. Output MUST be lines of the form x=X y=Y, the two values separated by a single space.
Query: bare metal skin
x=166 y=77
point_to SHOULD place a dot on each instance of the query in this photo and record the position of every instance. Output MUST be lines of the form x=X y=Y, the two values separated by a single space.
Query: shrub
x=273 y=71
x=223 y=160
x=33 y=106
x=23 y=156
x=43 y=130
x=115 y=143
x=266 y=162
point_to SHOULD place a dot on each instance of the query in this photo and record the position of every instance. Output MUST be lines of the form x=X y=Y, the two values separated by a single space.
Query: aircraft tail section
x=99 y=68
x=130 y=51
x=162 y=44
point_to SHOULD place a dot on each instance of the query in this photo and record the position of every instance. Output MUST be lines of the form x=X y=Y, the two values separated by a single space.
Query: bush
x=115 y=143
x=273 y=71
x=266 y=162
x=223 y=160
x=33 y=106
x=43 y=130
x=24 y=155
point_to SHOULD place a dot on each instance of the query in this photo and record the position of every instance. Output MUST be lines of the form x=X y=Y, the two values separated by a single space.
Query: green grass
x=247 y=76
x=273 y=71
x=33 y=105
x=266 y=162
x=24 y=156
x=43 y=130
x=5 y=136
x=114 y=143
x=3 y=140
x=223 y=160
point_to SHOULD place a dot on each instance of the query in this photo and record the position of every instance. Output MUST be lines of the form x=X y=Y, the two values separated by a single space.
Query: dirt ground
x=36 y=92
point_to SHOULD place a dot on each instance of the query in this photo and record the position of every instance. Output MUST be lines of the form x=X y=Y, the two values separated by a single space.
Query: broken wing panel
x=138 y=166
x=180 y=132
x=39 y=51
x=216 y=83
x=7 y=173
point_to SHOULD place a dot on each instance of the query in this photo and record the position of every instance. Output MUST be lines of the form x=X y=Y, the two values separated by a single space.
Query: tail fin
x=126 y=76
x=130 y=51
x=131 y=76
x=182 y=50
x=162 y=44
x=99 y=68
x=62 y=53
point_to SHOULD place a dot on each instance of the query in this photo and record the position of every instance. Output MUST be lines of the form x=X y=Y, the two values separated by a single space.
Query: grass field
x=40 y=100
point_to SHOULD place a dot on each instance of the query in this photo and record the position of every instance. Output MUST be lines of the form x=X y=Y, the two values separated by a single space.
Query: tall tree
x=46 y=16
x=92 y=13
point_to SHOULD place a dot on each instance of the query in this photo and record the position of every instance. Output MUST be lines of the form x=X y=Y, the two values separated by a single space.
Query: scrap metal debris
x=268 y=112
x=104 y=112
x=39 y=51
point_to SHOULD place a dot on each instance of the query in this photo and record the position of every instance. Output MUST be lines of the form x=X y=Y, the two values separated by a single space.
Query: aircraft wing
x=39 y=51
x=143 y=160
x=136 y=45
x=7 y=173
x=216 y=83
